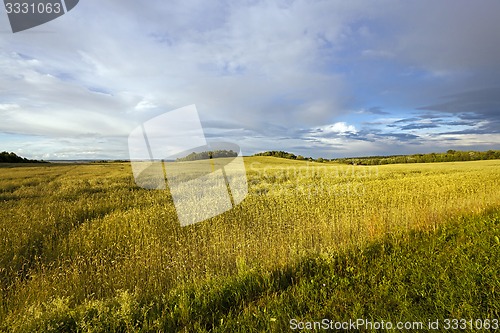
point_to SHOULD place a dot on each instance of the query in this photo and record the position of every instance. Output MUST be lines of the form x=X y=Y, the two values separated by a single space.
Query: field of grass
x=83 y=248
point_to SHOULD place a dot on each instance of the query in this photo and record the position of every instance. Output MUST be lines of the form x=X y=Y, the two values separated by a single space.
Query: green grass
x=83 y=247
x=448 y=273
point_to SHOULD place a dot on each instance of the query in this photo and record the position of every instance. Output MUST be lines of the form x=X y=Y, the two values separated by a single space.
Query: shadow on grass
x=417 y=276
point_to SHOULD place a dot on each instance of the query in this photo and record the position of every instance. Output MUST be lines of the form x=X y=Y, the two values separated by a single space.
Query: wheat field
x=80 y=234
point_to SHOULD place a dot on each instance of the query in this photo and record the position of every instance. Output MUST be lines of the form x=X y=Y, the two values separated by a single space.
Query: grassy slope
x=82 y=245
x=449 y=273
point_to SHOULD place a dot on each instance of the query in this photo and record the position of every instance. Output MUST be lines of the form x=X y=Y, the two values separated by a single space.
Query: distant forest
x=290 y=156
x=6 y=157
x=449 y=156
x=207 y=155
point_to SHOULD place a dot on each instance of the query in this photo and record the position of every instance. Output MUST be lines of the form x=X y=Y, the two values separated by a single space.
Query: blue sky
x=317 y=78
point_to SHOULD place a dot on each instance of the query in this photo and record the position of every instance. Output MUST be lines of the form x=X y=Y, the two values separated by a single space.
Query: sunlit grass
x=77 y=234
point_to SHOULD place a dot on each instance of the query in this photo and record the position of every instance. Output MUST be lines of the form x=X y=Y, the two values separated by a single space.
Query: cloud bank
x=319 y=78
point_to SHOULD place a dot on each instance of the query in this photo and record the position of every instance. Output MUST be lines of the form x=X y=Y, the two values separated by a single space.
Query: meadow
x=83 y=248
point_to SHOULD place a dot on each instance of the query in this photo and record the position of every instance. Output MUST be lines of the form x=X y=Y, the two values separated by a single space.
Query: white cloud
x=338 y=128
x=145 y=105
x=9 y=107
x=269 y=68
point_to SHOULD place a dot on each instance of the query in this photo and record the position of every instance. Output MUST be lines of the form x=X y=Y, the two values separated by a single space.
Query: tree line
x=205 y=155
x=449 y=156
x=290 y=156
x=6 y=157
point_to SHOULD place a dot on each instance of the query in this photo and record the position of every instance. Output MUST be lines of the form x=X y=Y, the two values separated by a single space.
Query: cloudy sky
x=317 y=78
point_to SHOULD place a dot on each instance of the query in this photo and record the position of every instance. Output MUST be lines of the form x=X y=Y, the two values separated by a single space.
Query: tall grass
x=86 y=234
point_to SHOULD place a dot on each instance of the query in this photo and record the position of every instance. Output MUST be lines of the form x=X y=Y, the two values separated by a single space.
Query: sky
x=317 y=78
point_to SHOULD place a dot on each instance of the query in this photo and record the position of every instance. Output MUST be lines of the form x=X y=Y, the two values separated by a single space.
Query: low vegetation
x=284 y=154
x=449 y=156
x=205 y=155
x=85 y=249
x=6 y=157
x=410 y=279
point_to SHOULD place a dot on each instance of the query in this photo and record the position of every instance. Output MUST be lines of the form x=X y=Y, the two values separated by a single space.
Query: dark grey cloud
x=471 y=116
x=481 y=106
x=459 y=123
x=377 y=110
x=418 y=126
x=444 y=36
x=374 y=135
x=469 y=131
x=405 y=137
x=406 y=120
x=484 y=102
x=435 y=115
x=363 y=136
x=266 y=74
